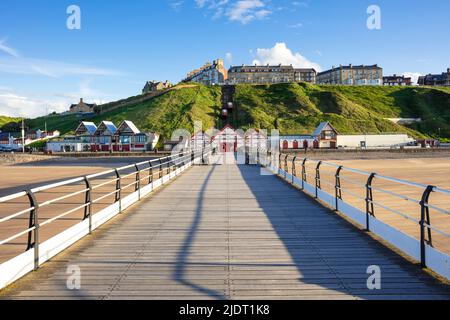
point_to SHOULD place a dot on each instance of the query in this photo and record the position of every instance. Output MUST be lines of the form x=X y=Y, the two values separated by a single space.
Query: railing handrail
x=75 y=180
x=426 y=190
x=170 y=161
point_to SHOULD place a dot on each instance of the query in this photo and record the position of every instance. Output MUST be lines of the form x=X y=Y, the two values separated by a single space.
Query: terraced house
x=435 y=79
x=352 y=75
x=258 y=74
x=209 y=74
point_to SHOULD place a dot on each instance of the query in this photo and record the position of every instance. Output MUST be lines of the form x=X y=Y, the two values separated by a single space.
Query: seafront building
x=352 y=75
x=269 y=74
x=155 y=86
x=327 y=137
x=210 y=74
x=395 y=80
x=435 y=79
x=82 y=107
x=105 y=138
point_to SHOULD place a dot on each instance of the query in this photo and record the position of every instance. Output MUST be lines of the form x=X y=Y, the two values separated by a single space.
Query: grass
x=176 y=109
x=295 y=108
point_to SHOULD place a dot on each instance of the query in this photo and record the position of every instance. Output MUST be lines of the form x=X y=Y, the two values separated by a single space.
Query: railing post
x=119 y=189
x=150 y=173
x=338 y=190
x=304 y=173
x=279 y=162
x=318 y=184
x=370 y=211
x=88 y=202
x=424 y=223
x=160 y=168
x=137 y=185
x=34 y=222
x=286 y=168
x=294 y=173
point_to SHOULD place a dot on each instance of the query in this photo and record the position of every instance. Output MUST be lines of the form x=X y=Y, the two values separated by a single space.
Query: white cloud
x=53 y=69
x=319 y=53
x=176 y=5
x=296 y=25
x=18 y=104
x=229 y=57
x=201 y=3
x=280 y=53
x=413 y=75
x=245 y=11
x=8 y=50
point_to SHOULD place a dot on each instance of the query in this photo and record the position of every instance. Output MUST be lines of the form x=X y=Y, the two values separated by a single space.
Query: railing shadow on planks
x=94 y=199
x=400 y=212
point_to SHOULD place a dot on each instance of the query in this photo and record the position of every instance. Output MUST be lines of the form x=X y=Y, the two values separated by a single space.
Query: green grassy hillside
x=290 y=108
x=298 y=108
x=166 y=113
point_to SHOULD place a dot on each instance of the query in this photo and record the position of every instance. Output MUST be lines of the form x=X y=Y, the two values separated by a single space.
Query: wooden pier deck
x=227 y=232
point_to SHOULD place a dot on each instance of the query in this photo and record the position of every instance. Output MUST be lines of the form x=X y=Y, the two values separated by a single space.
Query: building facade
x=82 y=107
x=396 y=80
x=154 y=86
x=305 y=75
x=435 y=79
x=324 y=137
x=210 y=74
x=352 y=75
x=106 y=138
x=269 y=74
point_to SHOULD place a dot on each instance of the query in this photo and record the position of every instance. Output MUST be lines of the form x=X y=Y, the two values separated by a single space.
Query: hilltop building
x=396 y=80
x=352 y=75
x=209 y=74
x=82 y=107
x=269 y=74
x=435 y=79
x=154 y=86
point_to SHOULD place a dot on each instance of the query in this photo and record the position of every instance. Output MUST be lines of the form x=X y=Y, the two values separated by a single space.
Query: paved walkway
x=226 y=232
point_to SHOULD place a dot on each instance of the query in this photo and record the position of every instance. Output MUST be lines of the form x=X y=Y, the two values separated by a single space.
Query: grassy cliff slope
x=294 y=108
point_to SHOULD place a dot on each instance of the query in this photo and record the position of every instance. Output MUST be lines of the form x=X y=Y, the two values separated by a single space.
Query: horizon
x=121 y=46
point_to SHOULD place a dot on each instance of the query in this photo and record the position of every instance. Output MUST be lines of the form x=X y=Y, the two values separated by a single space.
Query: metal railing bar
x=13 y=196
x=17 y=235
x=56 y=185
x=355 y=183
x=352 y=194
x=129 y=185
x=395 y=194
x=409 y=183
x=437 y=208
x=48 y=221
x=104 y=196
x=104 y=183
x=440 y=190
x=46 y=203
x=404 y=215
x=16 y=214
x=437 y=230
x=96 y=175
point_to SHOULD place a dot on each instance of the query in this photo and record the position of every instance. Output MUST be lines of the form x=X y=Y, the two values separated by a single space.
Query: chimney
x=81 y=100
x=351 y=66
x=448 y=70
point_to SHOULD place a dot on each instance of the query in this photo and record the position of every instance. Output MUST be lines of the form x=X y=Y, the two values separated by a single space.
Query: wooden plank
x=225 y=232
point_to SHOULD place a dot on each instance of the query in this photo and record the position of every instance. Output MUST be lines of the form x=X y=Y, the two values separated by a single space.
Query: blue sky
x=44 y=66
